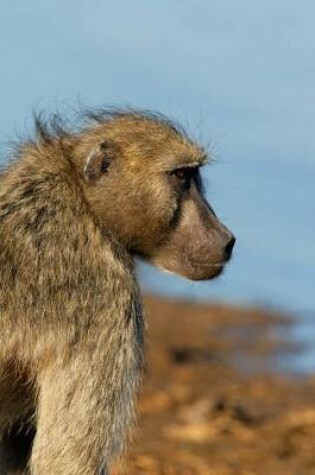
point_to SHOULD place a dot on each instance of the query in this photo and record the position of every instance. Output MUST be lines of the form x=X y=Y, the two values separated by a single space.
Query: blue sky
x=240 y=75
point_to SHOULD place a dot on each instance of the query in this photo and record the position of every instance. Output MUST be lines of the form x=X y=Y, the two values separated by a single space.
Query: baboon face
x=144 y=183
x=198 y=244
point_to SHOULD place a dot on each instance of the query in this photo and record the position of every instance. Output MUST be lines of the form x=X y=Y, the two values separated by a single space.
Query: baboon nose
x=229 y=248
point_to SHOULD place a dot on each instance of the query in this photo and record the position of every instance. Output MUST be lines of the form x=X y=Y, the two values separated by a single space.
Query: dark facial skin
x=199 y=245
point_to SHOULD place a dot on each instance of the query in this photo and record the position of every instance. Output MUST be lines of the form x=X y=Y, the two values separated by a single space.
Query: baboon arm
x=74 y=421
x=86 y=397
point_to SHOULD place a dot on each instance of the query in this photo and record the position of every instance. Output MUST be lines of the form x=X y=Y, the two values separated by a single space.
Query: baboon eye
x=182 y=176
x=180 y=173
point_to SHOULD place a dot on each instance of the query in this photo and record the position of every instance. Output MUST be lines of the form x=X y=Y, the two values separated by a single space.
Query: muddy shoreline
x=212 y=402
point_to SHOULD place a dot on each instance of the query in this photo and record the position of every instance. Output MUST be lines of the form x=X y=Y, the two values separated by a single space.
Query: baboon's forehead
x=144 y=135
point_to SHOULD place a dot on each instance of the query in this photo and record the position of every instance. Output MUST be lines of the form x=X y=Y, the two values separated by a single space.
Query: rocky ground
x=211 y=403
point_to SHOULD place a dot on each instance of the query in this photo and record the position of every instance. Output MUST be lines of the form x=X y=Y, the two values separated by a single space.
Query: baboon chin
x=75 y=208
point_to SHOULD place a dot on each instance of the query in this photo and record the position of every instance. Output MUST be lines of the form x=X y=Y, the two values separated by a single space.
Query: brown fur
x=75 y=207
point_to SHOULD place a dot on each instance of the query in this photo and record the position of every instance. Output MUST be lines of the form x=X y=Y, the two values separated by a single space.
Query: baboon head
x=142 y=179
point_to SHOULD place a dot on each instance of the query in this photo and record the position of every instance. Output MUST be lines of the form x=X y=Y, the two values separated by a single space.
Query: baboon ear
x=98 y=162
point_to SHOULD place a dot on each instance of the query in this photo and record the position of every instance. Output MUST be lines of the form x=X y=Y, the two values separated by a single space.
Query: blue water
x=240 y=75
x=302 y=333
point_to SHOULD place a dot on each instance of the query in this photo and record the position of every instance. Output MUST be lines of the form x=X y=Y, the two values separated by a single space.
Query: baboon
x=76 y=207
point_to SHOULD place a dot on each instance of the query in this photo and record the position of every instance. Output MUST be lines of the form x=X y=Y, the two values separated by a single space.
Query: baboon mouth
x=203 y=264
x=197 y=271
x=207 y=271
x=209 y=266
x=208 y=274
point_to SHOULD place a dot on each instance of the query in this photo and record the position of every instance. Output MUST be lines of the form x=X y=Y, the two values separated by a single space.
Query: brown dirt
x=210 y=405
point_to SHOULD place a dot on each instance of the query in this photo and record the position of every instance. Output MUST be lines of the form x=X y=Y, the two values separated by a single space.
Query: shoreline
x=211 y=405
